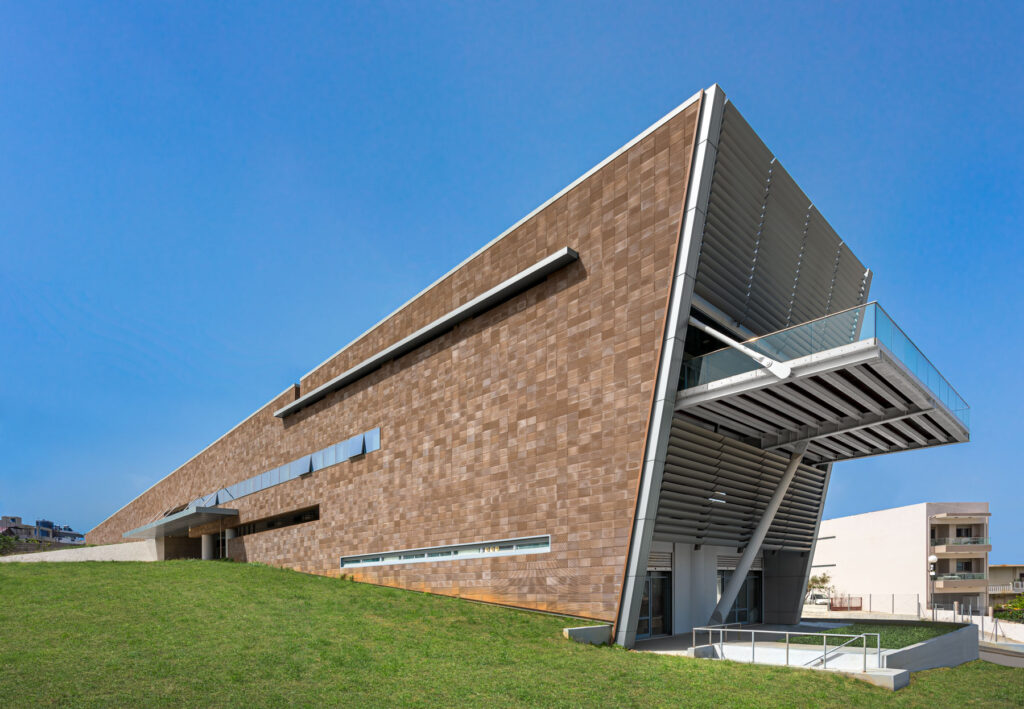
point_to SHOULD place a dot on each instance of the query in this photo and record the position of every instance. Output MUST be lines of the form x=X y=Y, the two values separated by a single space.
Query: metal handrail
x=723 y=628
x=952 y=541
x=824 y=656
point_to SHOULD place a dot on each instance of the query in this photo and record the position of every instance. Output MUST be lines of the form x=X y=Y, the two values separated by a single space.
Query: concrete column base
x=208 y=551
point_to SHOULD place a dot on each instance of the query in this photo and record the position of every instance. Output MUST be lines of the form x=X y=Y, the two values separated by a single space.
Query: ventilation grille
x=768 y=258
x=659 y=561
x=728 y=561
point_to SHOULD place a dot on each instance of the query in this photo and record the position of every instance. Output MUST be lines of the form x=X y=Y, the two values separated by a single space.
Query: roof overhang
x=851 y=401
x=180 y=522
x=962 y=516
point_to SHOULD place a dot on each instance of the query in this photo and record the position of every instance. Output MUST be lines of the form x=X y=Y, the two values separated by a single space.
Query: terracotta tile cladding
x=528 y=419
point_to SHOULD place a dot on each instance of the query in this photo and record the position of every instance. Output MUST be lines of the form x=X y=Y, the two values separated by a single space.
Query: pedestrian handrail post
x=788 y=639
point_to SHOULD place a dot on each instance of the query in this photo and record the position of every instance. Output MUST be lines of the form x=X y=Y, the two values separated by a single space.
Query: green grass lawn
x=239 y=635
x=892 y=637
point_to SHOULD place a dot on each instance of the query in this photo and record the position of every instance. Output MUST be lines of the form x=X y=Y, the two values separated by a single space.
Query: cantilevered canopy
x=180 y=522
x=858 y=387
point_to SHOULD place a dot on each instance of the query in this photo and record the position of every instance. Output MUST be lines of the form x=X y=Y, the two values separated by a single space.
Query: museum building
x=626 y=407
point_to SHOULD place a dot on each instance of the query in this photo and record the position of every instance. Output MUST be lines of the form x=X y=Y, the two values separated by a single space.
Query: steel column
x=732 y=588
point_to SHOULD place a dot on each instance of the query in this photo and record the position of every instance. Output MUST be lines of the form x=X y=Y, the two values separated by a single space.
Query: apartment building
x=1005 y=582
x=43 y=530
x=888 y=551
x=626 y=407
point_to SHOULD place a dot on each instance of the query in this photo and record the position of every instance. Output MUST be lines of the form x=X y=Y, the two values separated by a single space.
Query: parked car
x=817 y=599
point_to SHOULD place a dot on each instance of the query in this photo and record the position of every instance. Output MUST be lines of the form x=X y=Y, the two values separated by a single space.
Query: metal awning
x=857 y=387
x=180 y=522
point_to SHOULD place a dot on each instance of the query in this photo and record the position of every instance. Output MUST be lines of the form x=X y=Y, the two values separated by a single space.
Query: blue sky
x=200 y=202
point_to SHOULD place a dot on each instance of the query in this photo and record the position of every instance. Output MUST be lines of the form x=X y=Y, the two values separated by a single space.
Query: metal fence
x=911 y=604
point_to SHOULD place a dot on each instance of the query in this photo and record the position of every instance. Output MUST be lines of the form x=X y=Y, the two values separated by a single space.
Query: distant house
x=43 y=530
x=886 y=552
x=1005 y=582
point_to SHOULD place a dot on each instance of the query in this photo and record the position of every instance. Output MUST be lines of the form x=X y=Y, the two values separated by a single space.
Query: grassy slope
x=221 y=634
x=892 y=637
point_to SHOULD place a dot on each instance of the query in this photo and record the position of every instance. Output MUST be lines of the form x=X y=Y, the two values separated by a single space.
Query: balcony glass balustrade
x=863 y=322
x=961 y=576
x=946 y=541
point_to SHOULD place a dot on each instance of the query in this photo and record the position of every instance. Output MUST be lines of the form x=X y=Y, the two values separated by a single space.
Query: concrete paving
x=809 y=656
x=128 y=551
x=770 y=649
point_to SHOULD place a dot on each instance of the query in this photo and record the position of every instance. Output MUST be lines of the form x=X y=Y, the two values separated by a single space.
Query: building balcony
x=961 y=545
x=856 y=387
x=1015 y=588
x=961 y=582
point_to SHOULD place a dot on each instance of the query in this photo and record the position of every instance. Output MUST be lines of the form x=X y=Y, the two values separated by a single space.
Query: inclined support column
x=732 y=588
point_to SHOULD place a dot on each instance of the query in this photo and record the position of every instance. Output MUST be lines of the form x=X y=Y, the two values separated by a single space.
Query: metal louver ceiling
x=768 y=258
x=715 y=489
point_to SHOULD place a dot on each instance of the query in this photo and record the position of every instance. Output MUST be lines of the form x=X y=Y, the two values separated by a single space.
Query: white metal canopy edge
x=180 y=522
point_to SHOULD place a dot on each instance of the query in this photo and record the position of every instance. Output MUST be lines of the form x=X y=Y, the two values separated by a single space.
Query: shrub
x=6 y=544
x=1014 y=610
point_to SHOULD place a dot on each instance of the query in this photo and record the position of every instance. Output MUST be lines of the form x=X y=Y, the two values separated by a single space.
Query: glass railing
x=945 y=541
x=959 y=577
x=863 y=322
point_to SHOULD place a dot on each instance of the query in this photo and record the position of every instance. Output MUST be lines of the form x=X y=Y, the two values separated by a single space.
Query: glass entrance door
x=747 y=608
x=656 y=606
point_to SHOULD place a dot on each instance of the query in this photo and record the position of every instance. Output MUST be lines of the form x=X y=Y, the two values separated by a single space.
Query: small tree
x=1014 y=610
x=820 y=583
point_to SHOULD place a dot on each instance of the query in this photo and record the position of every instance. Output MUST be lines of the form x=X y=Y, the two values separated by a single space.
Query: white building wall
x=1004 y=574
x=886 y=552
x=883 y=552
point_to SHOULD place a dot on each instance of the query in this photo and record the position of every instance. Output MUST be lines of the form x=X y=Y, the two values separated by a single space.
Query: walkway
x=770 y=649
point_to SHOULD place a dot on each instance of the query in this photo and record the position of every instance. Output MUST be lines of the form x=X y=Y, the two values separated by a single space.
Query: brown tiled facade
x=529 y=419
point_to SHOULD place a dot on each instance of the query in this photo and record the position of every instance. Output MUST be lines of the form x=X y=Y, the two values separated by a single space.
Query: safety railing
x=947 y=541
x=960 y=576
x=861 y=322
x=726 y=628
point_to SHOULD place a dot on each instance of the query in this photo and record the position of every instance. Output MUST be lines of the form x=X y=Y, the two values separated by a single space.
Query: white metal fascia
x=900 y=370
x=667 y=383
x=861 y=352
x=500 y=293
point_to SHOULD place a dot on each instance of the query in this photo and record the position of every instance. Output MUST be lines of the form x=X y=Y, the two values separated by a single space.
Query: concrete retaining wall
x=592 y=634
x=129 y=551
x=947 y=650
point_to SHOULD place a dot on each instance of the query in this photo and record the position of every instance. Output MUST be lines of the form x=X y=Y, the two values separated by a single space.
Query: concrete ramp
x=129 y=551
